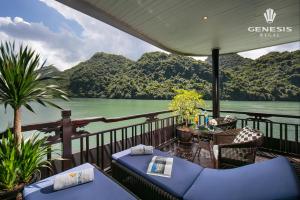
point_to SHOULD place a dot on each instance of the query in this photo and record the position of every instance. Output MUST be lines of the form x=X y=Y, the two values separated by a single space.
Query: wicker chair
x=231 y=154
x=226 y=124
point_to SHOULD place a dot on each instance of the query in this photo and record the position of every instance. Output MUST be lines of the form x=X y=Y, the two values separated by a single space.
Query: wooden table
x=200 y=136
x=205 y=134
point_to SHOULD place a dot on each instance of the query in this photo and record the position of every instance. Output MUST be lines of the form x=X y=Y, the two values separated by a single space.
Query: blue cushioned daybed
x=184 y=173
x=272 y=179
x=101 y=188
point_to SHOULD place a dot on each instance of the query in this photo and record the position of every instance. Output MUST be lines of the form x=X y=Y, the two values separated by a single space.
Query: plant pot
x=184 y=133
x=12 y=194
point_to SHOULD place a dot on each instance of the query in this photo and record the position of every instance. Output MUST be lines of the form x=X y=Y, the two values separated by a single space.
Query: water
x=84 y=107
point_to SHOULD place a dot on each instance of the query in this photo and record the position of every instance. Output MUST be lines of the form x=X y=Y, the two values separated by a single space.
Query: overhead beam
x=215 y=83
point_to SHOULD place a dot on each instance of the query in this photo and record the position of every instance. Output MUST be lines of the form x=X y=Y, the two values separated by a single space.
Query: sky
x=64 y=37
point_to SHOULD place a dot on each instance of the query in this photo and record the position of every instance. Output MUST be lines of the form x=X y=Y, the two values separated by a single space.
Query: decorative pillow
x=247 y=134
x=229 y=118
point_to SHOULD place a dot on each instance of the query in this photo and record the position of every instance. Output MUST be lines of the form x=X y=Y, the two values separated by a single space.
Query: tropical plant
x=32 y=157
x=21 y=82
x=18 y=167
x=186 y=104
x=8 y=163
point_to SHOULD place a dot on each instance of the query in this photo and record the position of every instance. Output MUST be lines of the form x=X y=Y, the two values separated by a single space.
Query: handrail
x=39 y=126
x=154 y=130
x=49 y=126
x=254 y=114
x=85 y=121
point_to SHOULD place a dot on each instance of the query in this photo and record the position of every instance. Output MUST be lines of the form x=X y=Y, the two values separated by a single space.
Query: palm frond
x=22 y=76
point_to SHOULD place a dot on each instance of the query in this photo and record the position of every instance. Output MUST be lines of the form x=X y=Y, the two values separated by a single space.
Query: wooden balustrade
x=76 y=145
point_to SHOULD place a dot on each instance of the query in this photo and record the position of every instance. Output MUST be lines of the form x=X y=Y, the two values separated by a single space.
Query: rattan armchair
x=226 y=124
x=228 y=154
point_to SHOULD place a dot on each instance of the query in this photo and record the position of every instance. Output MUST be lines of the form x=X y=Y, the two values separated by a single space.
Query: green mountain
x=274 y=76
x=231 y=60
x=155 y=75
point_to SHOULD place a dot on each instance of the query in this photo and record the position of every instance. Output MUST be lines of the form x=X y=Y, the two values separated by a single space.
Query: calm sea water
x=84 y=107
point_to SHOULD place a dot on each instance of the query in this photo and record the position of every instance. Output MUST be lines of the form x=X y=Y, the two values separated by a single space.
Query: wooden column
x=215 y=83
x=67 y=132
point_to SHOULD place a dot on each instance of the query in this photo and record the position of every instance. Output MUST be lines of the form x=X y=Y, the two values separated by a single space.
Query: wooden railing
x=280 y=136
x=76 y=145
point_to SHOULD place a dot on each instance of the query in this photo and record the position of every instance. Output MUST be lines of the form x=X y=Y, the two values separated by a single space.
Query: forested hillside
x=155 y=75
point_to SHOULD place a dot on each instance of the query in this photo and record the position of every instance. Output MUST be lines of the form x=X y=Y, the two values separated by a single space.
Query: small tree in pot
x=186 y=104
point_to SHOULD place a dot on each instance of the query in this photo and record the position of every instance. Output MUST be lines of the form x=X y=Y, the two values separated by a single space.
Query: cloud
x=64 y=48
x=253 y=54
x=99 y=36
x=202 y=58
x=56 y=48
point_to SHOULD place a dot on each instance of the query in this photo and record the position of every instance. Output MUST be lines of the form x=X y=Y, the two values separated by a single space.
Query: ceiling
x=179 y=26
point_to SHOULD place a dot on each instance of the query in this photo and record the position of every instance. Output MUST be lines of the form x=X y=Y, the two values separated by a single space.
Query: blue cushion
x=183 y=172
x=101 y=188
x=272 y=179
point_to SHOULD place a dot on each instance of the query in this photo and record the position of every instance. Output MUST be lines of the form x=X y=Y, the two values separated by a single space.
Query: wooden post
x=67 y=132
x=215 y=83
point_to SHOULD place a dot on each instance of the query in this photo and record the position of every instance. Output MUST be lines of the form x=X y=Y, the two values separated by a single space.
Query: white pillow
x=141 y=150
x=66 y=180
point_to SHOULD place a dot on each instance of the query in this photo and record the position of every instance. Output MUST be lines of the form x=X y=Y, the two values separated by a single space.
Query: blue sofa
x=102 y=188
x=267 y=180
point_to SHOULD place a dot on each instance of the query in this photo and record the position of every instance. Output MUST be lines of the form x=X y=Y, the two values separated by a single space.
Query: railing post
x=67 y=132
x=215 y=83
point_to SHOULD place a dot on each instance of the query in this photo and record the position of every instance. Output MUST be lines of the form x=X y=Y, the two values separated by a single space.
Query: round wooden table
x=200 y=136
x=204 y=140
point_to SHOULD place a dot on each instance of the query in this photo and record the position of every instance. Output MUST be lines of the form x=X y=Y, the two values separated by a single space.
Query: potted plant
x=186 y=105
x=20 y=164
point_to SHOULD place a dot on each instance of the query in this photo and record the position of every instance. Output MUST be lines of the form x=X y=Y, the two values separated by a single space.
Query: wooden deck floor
x=203 y=157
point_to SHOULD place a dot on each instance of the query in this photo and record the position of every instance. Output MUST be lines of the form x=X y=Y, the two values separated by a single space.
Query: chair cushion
x=102 y=187
x=246 y=135
x=272 y=179
x=241 y=154
x=183 y=172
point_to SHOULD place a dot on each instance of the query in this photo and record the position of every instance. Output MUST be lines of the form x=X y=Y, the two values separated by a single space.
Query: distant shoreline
x=171 y=99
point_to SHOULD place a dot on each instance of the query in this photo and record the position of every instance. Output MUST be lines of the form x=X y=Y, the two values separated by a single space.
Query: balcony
x=73 y=142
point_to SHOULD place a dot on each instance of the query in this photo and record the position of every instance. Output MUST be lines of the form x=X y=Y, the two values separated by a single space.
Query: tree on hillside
x=21 y=82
